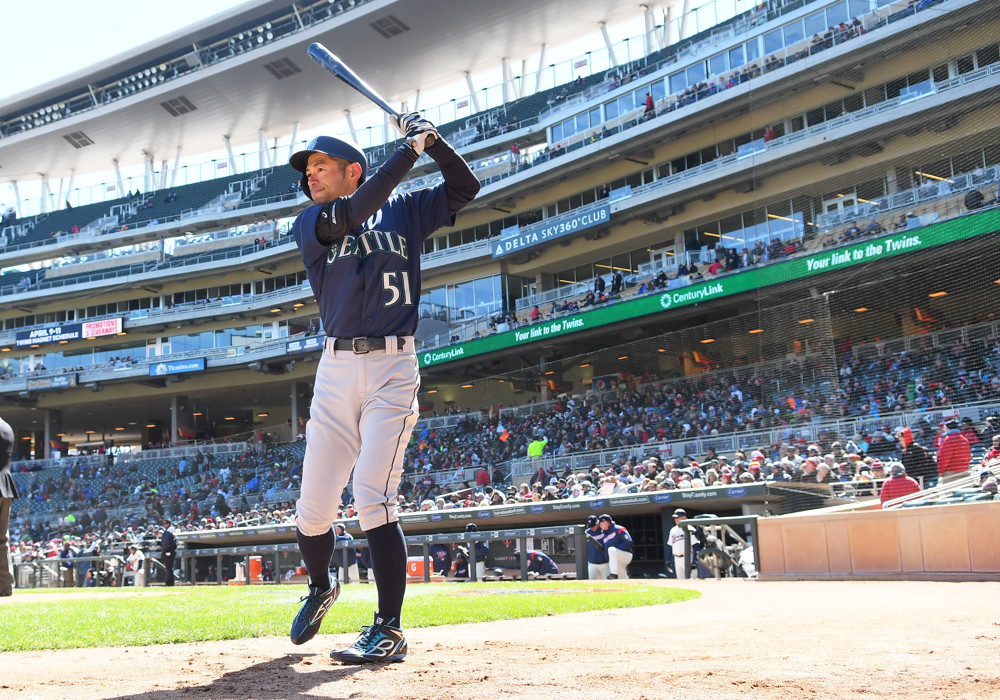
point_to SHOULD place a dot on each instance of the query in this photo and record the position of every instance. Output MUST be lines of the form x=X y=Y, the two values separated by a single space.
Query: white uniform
x=136 y=561
x=676 y=539
x=367 y=436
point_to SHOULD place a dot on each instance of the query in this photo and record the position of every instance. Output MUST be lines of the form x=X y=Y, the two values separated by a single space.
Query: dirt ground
x=741 y=639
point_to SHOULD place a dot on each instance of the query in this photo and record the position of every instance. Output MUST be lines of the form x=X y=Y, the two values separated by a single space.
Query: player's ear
x=355 y=172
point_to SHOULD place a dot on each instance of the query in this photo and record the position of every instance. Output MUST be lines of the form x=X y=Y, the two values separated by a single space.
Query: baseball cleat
x=379 y=643
x=310 y=616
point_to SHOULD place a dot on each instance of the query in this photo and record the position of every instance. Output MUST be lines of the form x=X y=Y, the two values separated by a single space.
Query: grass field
x=99 y=618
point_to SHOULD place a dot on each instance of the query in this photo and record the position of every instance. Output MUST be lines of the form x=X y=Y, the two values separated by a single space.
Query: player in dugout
x=361 y=248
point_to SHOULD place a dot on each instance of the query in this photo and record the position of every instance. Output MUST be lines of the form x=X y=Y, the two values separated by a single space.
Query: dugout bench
x=186 y=558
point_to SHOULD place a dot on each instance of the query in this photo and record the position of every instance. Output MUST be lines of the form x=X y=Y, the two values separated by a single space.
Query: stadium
x=716 y=263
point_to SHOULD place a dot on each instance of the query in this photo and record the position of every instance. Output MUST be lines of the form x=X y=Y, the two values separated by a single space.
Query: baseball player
x=347 y=557
x=168 y=551
x=617 y=545
x=540 y=563
x=137 y=563
x=8 y=492
x=482 y=551
x=597 y=554
x=361 y=249
x=676 y=541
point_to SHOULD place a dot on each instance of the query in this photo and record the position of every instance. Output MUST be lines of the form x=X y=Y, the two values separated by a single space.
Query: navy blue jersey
x=540 y=563
x=595 y=554
x=618 y=537
x=367 y=283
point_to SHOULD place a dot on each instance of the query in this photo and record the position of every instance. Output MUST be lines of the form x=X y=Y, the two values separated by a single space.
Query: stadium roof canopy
x=239 y=97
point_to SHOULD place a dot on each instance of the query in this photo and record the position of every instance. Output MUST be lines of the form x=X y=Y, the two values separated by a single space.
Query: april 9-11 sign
x=515 y=239
x=69 y=331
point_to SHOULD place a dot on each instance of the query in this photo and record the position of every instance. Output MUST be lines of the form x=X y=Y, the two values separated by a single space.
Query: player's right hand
x=420 y=141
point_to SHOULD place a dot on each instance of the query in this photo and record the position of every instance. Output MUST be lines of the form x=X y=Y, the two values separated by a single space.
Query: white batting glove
x=419 y=141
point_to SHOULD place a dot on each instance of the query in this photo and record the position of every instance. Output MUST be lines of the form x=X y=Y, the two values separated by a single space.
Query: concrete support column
x=232 y=159
x=177 y=166
x=295 y=134
x=17 y=198
x=69 y=185
x=684 y=30
x=607 y=43
x=43 y=206
x=505 y=73
x=472 y=93
x=541 y=66
x=350 y=125
x=118 y=178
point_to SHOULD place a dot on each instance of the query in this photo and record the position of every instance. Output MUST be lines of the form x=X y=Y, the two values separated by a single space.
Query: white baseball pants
x=363 y=410
x=598 y=572
x=618 y=560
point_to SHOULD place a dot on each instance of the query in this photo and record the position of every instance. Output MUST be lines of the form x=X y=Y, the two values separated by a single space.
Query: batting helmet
x=472 y=527
x=331 y=146
x=591 y=520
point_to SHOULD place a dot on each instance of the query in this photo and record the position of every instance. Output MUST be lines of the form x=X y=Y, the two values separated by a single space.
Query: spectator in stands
x=617 y=282
x=898 y=484
x=987 y=480
x=955 y=453
x=650 y=110
x=917 y=461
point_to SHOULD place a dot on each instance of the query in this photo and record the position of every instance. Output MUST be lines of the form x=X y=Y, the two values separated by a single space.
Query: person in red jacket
x=898 y=484
x=955 y=453
x=994 y=452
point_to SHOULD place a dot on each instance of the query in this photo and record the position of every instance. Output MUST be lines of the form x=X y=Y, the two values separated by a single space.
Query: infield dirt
x=741 y=639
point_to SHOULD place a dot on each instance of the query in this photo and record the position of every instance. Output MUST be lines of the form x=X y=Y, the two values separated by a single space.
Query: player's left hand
x=411 y=124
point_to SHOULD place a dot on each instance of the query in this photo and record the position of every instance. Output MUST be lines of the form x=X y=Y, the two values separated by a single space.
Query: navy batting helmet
x=591 y=520
x=331 y=146
x=472 y=527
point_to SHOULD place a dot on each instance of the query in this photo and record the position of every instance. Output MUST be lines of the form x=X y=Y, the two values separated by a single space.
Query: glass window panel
x=988 y=55
x=816 y=23
x=582 y=123
x=752 y=50
x=859 y=8
x=611 y=110
x=718 y=64
x=696 y=73
x=793 y=33
x=659 y=90
x=626 y=103
x=736 y=57
x=595 y=116
x=773 y=41
x=835 y=14
x=678 y=82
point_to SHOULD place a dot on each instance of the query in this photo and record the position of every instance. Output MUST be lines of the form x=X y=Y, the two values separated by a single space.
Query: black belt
x=360 y=346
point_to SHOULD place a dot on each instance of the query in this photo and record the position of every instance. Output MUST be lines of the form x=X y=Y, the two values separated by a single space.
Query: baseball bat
x=326 y=58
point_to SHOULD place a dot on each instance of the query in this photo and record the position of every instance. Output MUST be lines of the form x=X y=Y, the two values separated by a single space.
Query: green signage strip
x=823 y=261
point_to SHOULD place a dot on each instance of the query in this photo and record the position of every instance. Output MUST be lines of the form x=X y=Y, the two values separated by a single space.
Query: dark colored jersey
x=368 y=282
x=595 y=554
x=540 y=563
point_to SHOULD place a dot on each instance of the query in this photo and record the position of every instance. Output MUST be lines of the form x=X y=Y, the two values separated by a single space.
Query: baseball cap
x=331 y=146
x=680 y=513
x=605 y=518
x=897 y=469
